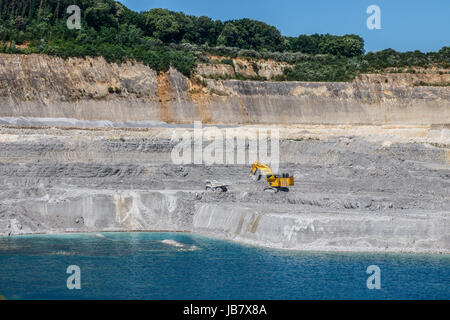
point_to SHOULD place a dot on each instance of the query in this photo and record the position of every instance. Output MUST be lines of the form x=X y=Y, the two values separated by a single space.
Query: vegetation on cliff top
x=161 y=38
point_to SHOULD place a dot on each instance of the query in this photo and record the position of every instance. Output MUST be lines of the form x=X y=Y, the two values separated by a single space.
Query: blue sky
x=405 y=24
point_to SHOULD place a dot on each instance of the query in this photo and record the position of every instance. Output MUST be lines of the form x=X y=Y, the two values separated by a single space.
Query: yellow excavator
x=276 y=182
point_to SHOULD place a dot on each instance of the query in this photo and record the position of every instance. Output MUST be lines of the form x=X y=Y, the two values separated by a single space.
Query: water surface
x=186 y=266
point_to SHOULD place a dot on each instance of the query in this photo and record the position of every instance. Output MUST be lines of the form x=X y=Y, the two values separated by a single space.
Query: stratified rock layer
x=92 y=89
x=351 y=194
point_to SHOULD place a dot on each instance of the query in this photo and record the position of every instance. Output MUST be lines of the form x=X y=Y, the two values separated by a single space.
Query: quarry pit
x=371 y=158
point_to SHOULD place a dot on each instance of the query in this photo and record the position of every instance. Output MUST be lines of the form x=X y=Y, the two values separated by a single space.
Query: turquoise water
x=185 y=266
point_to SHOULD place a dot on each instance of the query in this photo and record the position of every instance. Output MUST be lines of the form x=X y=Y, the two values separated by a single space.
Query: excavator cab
x=275 y=182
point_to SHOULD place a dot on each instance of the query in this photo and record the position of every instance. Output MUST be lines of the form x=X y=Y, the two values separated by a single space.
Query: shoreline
x=244 y=242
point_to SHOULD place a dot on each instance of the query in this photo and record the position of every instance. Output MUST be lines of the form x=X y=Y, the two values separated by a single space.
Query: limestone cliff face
x=92 y=89
x=43 y=86
x=249 y=68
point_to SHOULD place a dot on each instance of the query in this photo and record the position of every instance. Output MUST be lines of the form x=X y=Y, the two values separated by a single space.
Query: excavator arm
x=264 y=169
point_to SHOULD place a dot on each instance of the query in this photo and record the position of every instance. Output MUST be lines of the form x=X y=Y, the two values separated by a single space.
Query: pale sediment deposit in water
x=85 y=146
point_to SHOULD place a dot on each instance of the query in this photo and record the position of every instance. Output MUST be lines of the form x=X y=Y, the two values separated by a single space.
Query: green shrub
x=161 y=38
x=227 y=61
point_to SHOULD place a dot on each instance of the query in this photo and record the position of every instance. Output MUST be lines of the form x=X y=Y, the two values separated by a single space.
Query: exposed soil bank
x=359 y=189
x=92 y=89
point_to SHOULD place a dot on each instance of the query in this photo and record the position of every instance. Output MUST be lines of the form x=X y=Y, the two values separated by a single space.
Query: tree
x=251 y=34
x=41 y=6
x=168 y=26
x=207 y=30
x=304 y=43
x=229 y=37
x=347 y=46
x=100 y=16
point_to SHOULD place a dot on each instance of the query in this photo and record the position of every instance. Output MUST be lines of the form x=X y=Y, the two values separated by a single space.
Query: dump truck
x=275 y=182
x=216 y=186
